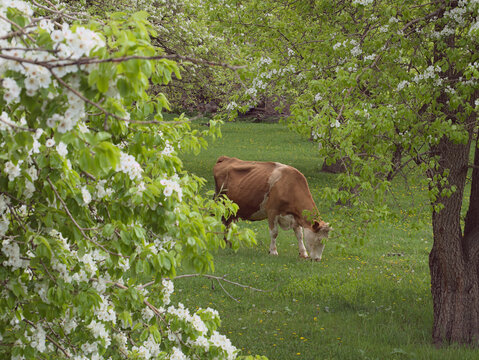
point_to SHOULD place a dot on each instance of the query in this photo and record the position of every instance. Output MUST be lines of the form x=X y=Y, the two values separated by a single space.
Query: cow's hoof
x=274 y=252
x=317 y=259
x=303 y=256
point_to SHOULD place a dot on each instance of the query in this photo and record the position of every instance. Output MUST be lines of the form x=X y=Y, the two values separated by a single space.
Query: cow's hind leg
x=298 y=230
x=273 y=233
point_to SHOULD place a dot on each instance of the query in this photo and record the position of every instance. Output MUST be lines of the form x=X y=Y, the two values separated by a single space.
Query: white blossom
x=231 y=106
x=106 y=311
x=170 y=186
x=62 y=149
x=86 y=195
x=12 y=90
x=99 y=331
x=50 y=142
x=5 y=122
x=129 y=166
x=147 y=314
x=168 y=150
x=4 y=202
x=402 y=85
x=29 y=189
x=224 y=343
x=178 y=354
x=12 y=170
x=38 y=339
x=363 y=2
x=11 y=250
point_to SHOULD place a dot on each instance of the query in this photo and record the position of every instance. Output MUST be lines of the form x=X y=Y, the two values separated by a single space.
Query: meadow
x=369 y=301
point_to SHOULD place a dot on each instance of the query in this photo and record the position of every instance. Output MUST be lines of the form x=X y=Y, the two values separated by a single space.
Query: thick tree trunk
x=454 y=260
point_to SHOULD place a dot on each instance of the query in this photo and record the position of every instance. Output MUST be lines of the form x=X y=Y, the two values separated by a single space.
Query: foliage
x=96 y=211
x=183 y=33
x=376 y=84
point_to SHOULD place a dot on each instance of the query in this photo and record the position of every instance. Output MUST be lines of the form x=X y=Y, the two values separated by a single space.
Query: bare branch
x=222 y=278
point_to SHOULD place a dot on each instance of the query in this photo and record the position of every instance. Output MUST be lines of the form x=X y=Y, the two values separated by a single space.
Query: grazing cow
x=273 y=191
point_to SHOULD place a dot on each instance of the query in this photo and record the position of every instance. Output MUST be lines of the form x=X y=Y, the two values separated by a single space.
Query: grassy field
x=359 y=302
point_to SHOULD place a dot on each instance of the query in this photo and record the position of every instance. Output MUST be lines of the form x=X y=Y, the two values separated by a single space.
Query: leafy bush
x=96 y=212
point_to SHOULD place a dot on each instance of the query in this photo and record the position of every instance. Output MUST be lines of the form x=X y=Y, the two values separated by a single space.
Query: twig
x=48 y=272
x=22 y=30
x=222 y=278
x=16 y=126
x=226 y=292
x=54 y=10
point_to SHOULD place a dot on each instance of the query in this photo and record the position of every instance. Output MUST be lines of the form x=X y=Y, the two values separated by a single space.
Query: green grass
x=359 y=302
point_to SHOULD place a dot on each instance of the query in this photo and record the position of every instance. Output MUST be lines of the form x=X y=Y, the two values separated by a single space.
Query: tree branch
x=219 y=278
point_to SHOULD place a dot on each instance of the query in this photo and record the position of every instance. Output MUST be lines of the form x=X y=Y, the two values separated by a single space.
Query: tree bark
x=472 y=217
x=454 y=261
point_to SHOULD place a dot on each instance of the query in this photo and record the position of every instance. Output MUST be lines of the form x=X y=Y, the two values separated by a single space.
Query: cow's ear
x=316 y=226
x=321 y=225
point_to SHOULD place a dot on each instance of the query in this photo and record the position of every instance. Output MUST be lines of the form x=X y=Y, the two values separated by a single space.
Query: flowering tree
x=96 y=213
x=385 y=87
x=182 y=33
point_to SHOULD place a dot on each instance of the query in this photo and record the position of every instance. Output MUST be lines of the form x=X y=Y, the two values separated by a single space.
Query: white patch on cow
x=314 y=243
x=273 y=178
x=286 y=221
x=298 y=230
x=261 y=213
x=276 y=174
x=273 y=233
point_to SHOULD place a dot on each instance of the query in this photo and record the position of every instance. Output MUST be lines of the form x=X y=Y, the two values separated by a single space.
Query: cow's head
x=314 y=238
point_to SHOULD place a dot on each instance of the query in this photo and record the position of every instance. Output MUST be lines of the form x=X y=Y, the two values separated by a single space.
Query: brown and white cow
x=273 y=191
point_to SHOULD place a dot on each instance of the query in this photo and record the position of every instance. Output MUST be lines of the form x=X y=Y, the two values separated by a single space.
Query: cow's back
x=244 y=182
x=290 y=194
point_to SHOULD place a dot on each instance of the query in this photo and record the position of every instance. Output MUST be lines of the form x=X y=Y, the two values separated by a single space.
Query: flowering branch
x=82 y=230
x=49 y=338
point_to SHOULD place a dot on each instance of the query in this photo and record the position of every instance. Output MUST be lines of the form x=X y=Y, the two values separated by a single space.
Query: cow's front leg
x=299 y=235
x=273 y=233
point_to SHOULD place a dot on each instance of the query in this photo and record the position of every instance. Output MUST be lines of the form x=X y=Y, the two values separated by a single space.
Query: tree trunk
x=472 y=217
x=454 y=260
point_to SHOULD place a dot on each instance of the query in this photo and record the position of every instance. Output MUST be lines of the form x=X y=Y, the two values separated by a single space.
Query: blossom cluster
x=171 y=185
x=203 y=340
x=4 y=221
x=363 y=2
x=129 y=166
